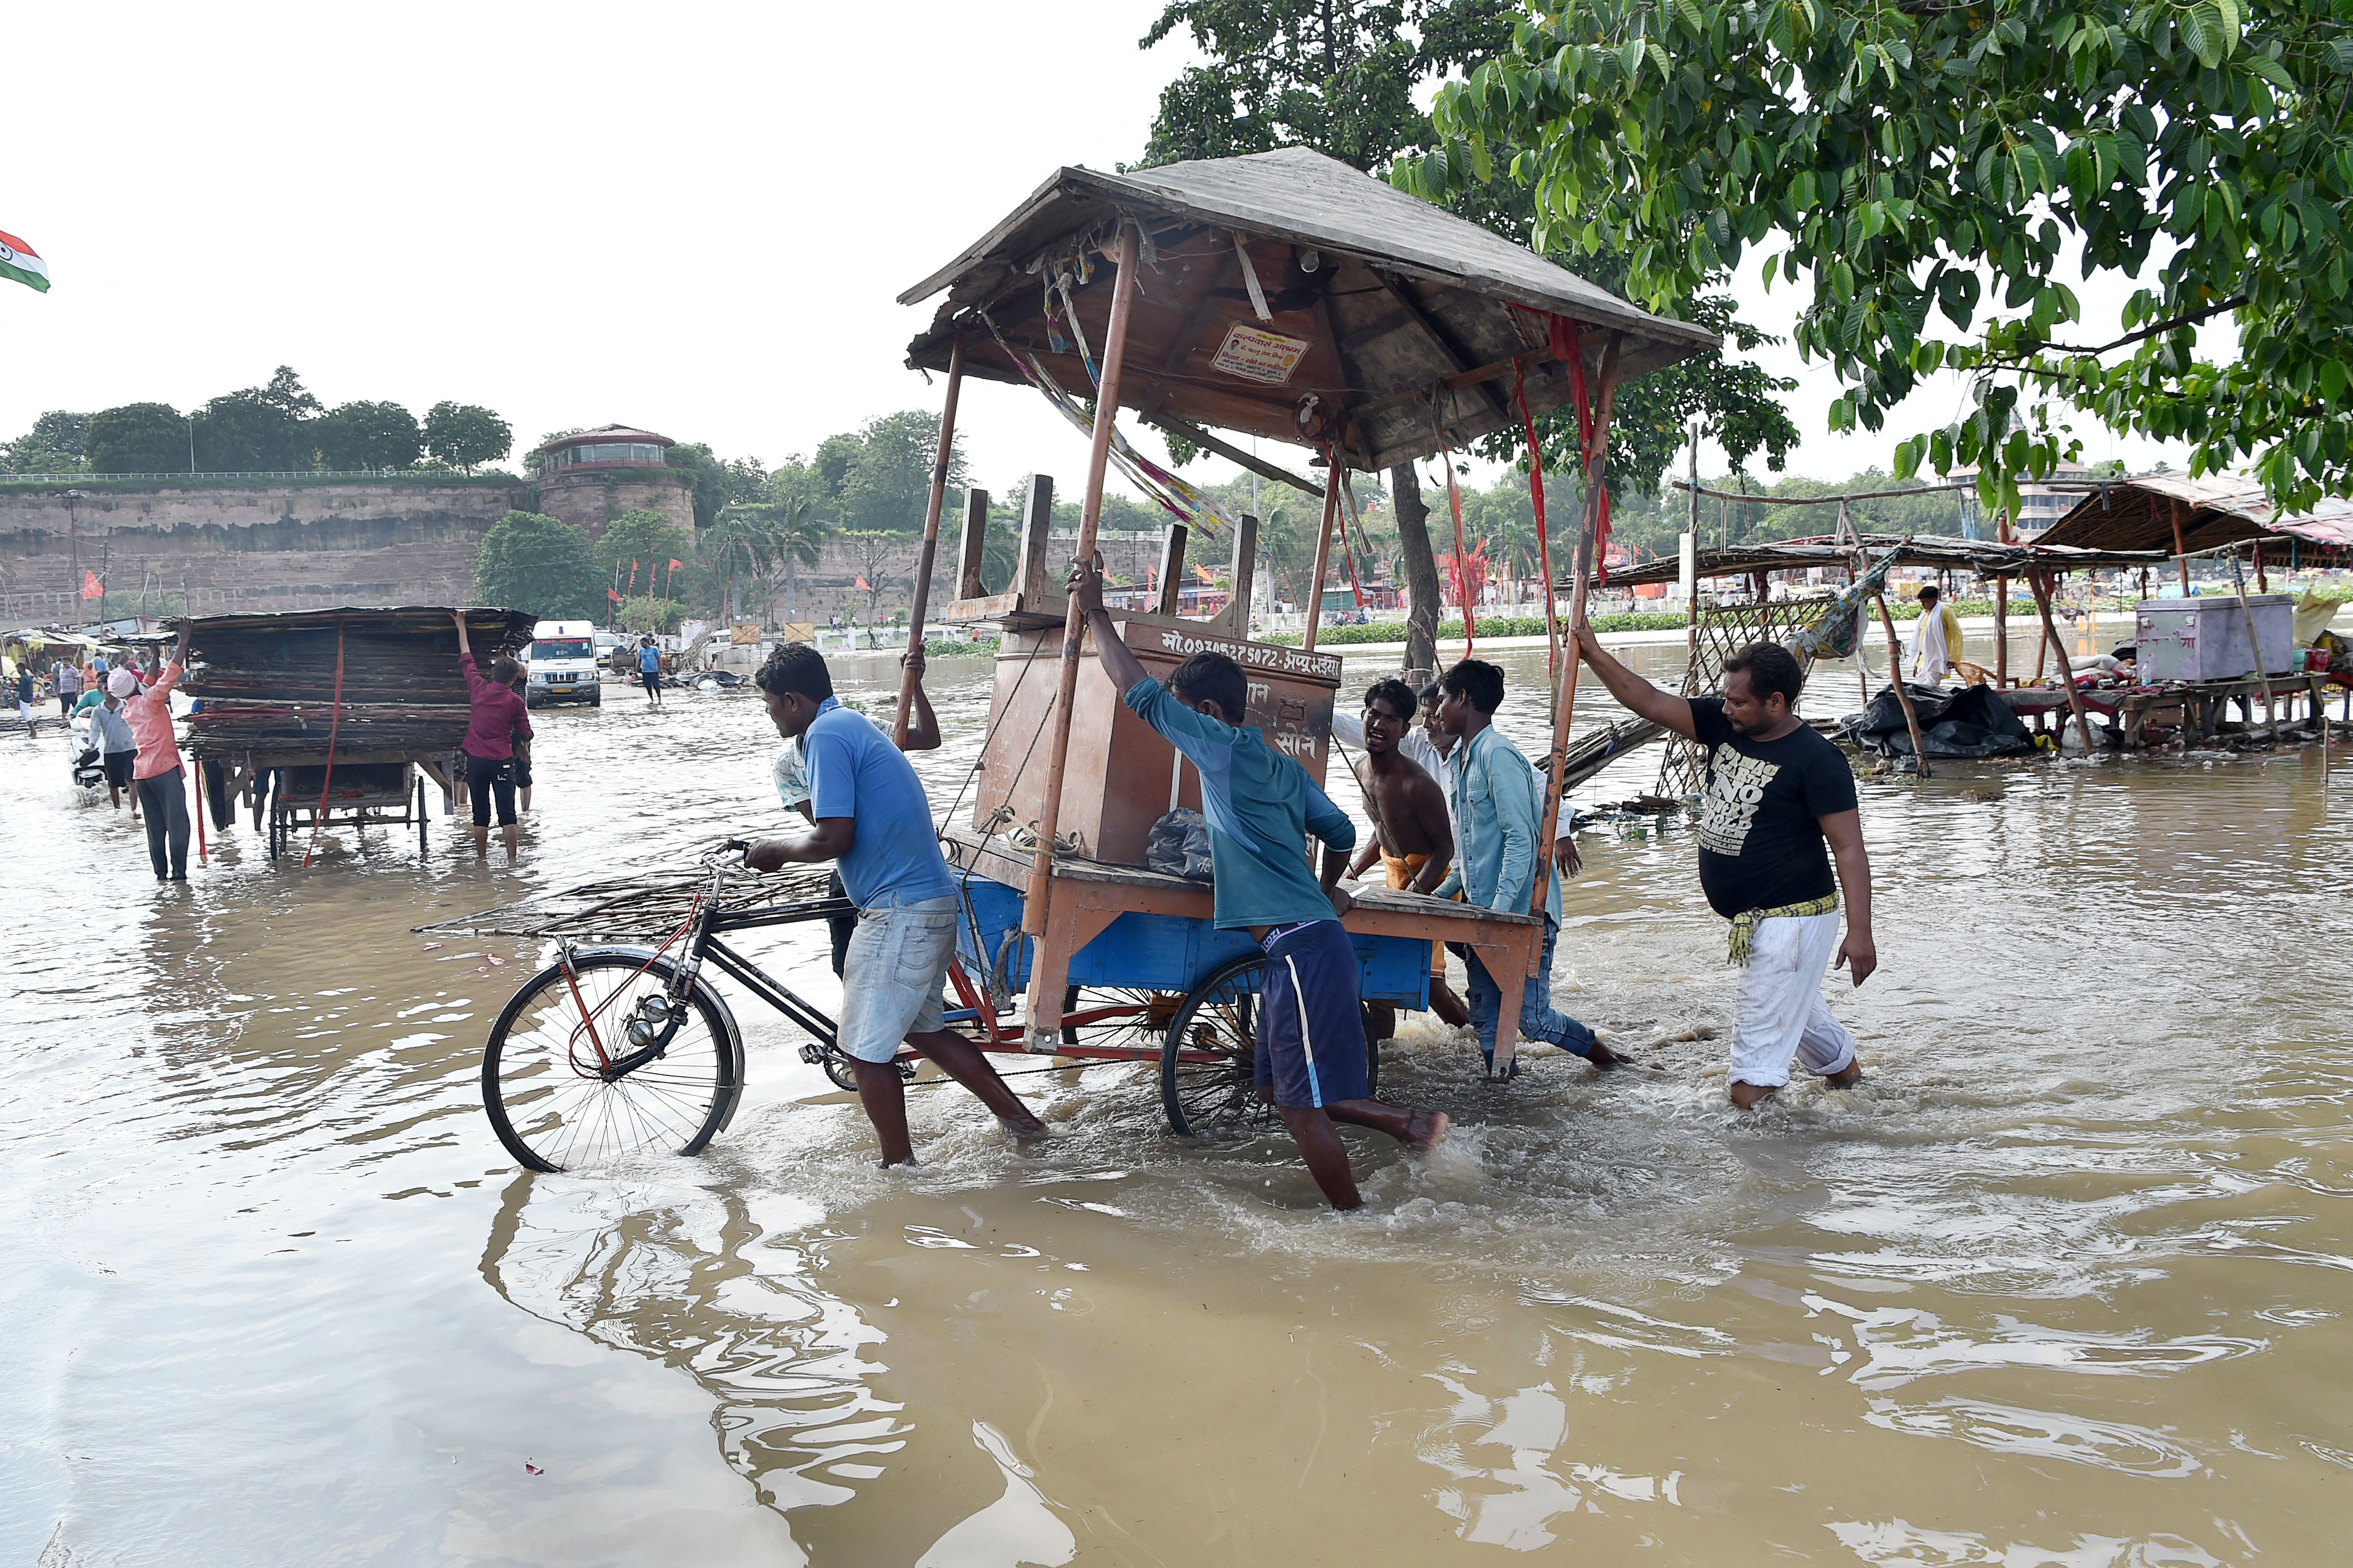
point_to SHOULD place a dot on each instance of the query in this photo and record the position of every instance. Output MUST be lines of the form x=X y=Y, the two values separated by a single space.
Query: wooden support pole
x=1172 y=571
x=1242 y=571
x=2001 y=633
x=973 y=547
x=1581 y=577
x=1323 y=563
x=1031 y=579
x=2040 y=585
x=1041 y=865
x=2255 y=645
x=2181 y=551
x=931 y=508
x=1903 y=694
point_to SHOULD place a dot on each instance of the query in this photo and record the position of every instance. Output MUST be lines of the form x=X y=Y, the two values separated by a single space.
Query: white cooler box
x=2206 y=639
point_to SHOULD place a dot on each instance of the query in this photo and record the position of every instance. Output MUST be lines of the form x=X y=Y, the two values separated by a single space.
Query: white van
x=562 y=665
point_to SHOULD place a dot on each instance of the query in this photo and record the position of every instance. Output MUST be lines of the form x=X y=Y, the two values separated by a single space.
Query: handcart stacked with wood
x=1284 y=296
x=313 y=717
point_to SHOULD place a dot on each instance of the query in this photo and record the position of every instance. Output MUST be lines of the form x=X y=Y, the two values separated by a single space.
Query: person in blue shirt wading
x=1497 y=799
x=871 y=818
x=649 y=670
x=1260 y=806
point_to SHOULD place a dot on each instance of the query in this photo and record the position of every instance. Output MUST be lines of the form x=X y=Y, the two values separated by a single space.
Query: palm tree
x=800 y=535
x=740 y=542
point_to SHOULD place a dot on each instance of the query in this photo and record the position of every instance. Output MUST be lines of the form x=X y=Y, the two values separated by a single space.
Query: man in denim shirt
x=1497 y=799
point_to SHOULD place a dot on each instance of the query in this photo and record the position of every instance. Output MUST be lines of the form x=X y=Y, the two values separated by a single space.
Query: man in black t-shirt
x=1776 y=809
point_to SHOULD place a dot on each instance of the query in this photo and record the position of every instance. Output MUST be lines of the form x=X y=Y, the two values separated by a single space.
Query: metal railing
x=426 y=477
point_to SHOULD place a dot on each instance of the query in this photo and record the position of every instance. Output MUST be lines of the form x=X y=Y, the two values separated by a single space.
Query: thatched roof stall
x=1376 y=299
x=2180 y=515
x=385 y=683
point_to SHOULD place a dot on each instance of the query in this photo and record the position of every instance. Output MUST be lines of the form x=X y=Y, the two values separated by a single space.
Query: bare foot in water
x=1029 y=1131
x=1425 y=1130
x=1851 y=1076
x=1748 y=1096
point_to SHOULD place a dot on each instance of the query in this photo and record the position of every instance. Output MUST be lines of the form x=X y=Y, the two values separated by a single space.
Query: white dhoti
x=1932 y=654
x=1778 y=1013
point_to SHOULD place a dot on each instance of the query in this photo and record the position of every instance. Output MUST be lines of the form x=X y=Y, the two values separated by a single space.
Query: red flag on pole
x=1205 y=575
x=91 y=588
x=863 y=588
x=676 y=564
x=613 y=596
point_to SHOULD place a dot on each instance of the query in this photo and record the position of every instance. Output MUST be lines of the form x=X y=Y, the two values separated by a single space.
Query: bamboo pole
x=1556 y=765
x=2181 y=552
x=1895 y=679
x=1041 y=865
x=931 y=511
x=1323 y=549
x=2041 y=586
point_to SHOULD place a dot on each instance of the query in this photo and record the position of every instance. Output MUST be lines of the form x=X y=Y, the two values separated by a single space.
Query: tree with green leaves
x=259 y=429
x=540 y=565
x=1343 y=76
x=799 y=531
x=1929 y=171
x=138 y=438
x=54 y=445
x=466 y=435
x=717 y=484
x=369 y=436
x=743 y=543
x=650 y=541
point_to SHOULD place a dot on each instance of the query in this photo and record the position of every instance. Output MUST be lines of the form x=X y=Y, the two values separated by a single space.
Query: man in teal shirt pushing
x=1260 y=806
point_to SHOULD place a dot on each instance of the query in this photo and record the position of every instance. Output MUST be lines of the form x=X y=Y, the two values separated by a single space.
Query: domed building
x=592 y=476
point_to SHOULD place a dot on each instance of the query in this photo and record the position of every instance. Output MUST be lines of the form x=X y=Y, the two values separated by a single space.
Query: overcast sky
x=692 y=217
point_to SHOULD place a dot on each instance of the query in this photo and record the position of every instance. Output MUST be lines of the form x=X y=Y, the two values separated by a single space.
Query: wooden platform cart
x=348 y=716
x=1280 y=295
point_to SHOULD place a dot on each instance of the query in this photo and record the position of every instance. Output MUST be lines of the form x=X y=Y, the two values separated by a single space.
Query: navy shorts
x=1310 y=1033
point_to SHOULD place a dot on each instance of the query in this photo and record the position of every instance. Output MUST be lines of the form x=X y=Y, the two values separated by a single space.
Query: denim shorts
x=890 y=977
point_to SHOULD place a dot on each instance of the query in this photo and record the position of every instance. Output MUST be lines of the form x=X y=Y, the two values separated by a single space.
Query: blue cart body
x=1162 y=953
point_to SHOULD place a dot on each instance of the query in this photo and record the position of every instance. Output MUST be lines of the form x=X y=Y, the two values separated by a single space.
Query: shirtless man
x=1413 y=836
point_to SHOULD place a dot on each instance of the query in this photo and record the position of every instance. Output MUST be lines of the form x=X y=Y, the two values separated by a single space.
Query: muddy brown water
x=2065 y=1282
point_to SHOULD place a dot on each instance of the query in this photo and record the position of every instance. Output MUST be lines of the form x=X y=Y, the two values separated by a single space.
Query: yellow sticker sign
x=1254 y=354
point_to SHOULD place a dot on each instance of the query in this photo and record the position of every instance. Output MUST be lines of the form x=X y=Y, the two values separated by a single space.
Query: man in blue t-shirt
x=1260 y=806
x=649 y=670
x=870 y=816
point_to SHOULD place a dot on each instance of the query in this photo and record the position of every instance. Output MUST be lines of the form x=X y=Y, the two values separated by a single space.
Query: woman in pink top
x=499 y=720
x=155 y=776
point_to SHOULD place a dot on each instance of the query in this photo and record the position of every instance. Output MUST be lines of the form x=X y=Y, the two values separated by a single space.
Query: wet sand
x=2064 y=1282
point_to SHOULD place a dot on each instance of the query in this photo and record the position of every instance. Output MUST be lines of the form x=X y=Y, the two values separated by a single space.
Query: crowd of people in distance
x=1455 y=807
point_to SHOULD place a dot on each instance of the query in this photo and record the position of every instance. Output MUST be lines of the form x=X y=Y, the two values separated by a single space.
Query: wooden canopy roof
x=2138 y=513
x=1985 y=557
x=1382 y=304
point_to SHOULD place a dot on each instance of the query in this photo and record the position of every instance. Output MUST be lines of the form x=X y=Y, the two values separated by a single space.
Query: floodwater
x=2067 y=1282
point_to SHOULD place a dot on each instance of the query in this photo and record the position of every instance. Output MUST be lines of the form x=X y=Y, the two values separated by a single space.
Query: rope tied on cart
x=334 y=725
x=1454 y=501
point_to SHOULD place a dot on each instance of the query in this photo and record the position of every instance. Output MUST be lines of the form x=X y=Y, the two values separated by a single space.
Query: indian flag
x=21 y=262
